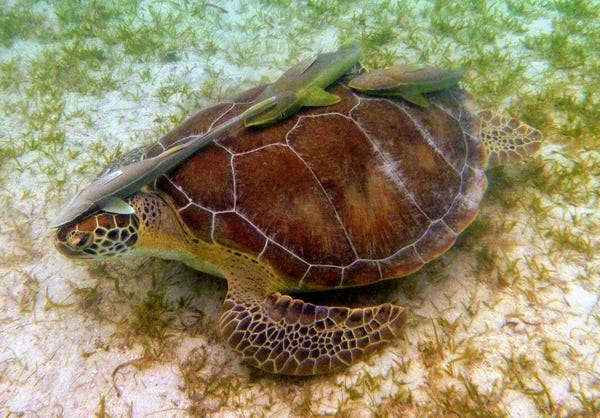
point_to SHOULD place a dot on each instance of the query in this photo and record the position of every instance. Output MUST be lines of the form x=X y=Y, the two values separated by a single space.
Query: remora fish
x=108 y=191
x=301 y=85
x=408 y=81
x=304 y=84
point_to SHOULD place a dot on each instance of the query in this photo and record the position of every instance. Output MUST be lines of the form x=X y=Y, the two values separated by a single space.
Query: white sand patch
x=581 y=301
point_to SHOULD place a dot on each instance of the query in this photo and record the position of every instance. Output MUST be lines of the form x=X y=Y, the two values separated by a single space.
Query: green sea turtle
x=367 y=189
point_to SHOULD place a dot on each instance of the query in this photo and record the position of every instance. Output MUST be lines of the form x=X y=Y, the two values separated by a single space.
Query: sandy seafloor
x=506 y=323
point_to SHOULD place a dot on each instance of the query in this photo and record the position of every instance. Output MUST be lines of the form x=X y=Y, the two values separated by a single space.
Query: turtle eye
x=79 y=240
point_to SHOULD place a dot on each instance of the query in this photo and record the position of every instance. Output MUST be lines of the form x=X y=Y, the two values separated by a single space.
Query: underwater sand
x=504 y=324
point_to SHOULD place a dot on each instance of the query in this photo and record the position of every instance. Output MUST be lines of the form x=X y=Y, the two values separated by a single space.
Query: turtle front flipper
x=506 y=139
x=278 y=334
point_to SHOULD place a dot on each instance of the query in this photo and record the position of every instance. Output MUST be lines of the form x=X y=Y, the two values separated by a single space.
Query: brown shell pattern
x=345 y=195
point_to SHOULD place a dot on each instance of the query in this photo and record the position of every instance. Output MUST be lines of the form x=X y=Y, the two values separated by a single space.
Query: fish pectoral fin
x=116 y=205
x=410 y=95
x=316 y=96
x=286 y=104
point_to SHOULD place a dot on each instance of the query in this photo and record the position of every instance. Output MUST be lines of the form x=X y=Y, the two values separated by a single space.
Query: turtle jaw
x=99 y=236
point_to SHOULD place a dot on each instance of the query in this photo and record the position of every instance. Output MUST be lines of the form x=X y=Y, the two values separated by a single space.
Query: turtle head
x=154 y=228
x=99 y=235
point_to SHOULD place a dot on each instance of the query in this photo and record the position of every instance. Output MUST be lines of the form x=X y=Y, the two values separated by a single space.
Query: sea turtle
x=370 y=188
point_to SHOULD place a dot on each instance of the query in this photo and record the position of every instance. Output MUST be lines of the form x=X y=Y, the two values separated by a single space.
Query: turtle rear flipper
x=278 y=334
x=506 y=139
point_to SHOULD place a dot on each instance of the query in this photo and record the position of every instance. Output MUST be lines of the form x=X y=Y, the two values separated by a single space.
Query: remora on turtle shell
x=408 y=81
x=304 y=84
x=301 y=85
x=107 y=192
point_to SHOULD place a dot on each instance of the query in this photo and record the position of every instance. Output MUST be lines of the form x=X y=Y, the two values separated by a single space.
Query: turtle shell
x=344 y=195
